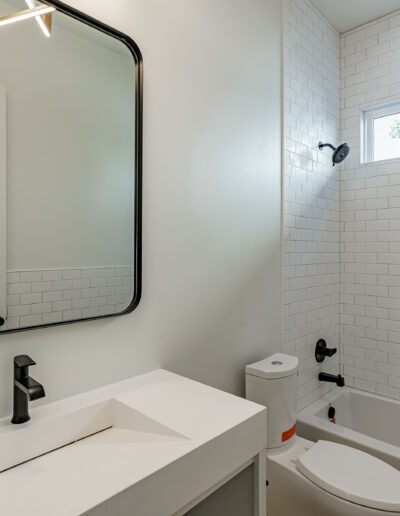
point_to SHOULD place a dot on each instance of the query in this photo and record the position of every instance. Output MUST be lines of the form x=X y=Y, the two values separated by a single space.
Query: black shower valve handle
x=329 y=352
x=322 y=351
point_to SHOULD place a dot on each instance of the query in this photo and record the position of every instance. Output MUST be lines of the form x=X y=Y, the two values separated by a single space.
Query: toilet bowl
x=314 y=479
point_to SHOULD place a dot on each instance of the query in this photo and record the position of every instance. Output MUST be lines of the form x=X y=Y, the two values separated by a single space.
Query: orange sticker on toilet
x=289 y=433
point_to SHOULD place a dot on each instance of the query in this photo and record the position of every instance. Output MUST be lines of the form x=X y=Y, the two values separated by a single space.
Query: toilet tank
x=273 y=383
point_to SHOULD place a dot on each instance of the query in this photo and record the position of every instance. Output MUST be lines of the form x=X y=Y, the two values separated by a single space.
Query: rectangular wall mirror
x=70 y=167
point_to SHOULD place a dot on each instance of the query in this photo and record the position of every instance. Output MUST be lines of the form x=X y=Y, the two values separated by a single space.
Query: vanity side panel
x=234 y=498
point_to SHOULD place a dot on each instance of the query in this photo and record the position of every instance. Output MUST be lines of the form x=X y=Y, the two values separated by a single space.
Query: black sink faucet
x=25 y=389
x=333 y=378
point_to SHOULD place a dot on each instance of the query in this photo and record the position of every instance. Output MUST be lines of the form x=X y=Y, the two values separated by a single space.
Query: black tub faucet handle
x=322 y=351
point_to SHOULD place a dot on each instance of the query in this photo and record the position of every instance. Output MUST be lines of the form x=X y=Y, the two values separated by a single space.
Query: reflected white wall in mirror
x=70 y=171
x=3 y=207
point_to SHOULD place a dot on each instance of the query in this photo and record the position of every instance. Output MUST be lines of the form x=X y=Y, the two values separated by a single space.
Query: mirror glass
x=69 y=170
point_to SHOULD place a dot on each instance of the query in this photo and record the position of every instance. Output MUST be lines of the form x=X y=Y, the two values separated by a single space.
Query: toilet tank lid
x=275 y=366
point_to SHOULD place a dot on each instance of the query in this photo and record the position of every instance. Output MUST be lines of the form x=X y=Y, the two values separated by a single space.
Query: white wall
x=311 y=193
x=70 y=137
x=370 y=257
x=212 y=199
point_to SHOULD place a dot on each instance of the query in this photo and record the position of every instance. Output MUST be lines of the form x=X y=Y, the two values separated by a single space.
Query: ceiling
x=347 y=14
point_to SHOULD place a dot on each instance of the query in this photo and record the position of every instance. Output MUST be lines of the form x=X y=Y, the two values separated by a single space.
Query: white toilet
x=314 y=479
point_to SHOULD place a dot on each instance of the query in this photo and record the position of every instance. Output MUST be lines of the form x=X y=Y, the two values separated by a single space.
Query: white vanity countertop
x=205 y=434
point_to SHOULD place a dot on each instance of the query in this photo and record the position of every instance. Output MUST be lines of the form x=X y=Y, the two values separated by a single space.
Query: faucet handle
x=23 y=361
x=322 y=351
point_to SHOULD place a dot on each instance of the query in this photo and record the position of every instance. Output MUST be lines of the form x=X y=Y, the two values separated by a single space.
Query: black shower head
x=339 y=153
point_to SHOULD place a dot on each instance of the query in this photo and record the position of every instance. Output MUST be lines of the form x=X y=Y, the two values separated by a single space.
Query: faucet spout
x=332 y=378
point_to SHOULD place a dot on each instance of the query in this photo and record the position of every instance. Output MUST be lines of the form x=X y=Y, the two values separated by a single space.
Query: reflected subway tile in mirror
x=40 y=297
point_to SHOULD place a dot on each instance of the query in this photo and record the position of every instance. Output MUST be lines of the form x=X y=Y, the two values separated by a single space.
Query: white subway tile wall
x=48 y=296
x=370 y=220
x=311 y=192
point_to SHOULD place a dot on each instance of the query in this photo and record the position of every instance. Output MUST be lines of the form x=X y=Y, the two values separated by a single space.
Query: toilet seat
x=352 y=475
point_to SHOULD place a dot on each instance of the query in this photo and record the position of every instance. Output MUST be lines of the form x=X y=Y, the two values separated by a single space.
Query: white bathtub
x=365 y=421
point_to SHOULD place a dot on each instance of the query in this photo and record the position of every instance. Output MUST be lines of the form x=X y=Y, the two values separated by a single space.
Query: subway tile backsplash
x=48 y=296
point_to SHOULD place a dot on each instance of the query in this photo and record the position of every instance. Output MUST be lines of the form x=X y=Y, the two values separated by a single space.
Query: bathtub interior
x=375 y=417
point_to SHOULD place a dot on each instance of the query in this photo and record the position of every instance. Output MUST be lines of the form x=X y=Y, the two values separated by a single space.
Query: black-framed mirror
x=71 y=106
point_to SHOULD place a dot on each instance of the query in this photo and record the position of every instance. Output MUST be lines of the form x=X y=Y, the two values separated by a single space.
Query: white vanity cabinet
x=154 y=445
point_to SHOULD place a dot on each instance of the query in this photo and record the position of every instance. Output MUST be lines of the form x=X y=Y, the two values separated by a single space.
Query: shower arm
x=322 y=145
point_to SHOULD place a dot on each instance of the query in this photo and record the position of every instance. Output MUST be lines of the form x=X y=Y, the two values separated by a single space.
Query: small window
x=381 y=133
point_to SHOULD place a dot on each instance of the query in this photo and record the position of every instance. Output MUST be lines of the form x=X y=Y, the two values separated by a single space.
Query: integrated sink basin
x=156 y=444
x=43 y=435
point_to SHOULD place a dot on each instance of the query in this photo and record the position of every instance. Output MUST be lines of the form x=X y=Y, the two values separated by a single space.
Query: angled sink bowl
x=42 y=435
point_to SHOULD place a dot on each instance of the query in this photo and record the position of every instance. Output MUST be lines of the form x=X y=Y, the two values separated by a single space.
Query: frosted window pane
x=387 y=137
